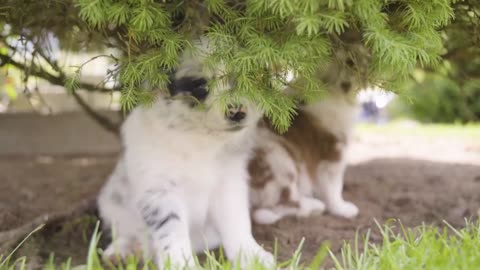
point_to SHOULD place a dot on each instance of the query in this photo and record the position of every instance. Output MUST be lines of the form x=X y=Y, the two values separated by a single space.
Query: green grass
x=468 y=131
x=423 y=247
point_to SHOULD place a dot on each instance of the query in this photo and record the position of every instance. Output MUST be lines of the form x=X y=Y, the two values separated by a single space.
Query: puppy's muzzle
x=236 y=113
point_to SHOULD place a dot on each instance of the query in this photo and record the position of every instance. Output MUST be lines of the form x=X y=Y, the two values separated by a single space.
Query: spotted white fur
x=181 y=185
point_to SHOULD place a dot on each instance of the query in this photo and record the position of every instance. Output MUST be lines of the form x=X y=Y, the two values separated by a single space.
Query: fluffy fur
x=300 y=173
x=181 y=184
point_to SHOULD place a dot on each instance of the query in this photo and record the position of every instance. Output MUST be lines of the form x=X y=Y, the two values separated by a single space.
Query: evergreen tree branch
x=59 y=80
x=51 y=78
x=247 y=38
x=100 y=119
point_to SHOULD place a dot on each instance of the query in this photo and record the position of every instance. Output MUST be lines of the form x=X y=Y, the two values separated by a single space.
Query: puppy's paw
x=266 y=258
x=120 y=249
x=311 y=207
x=344 y=209
x=176 y=258
x=167 y=262
x=265 y=216
x=256 y=253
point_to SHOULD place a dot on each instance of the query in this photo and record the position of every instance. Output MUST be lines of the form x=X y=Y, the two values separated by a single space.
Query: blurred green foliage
x=441 y=99
x=451 y=92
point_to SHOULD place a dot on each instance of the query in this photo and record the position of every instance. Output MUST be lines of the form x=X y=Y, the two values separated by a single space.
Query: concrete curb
x=72 y=133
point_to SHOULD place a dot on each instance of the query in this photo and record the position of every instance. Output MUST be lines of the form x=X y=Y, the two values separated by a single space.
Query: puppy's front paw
x=266 y=258
x=175 y=262
x=265 y=216
x=344 y=209
x=120 y=249
x=256 y=253
x=310 y=207
x=176 y=258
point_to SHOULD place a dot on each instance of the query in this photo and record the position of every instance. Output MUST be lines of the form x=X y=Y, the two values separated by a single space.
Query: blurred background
x=437 y=102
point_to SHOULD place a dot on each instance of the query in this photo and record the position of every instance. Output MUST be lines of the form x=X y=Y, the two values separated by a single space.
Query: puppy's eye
x=195 y=87
x=350 y=62
x=199 y=89
x=198 y=83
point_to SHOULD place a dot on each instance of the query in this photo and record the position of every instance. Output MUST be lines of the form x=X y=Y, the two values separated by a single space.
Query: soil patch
x=413 y=191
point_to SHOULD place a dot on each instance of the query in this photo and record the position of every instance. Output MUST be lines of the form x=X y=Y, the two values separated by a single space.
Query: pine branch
x=60 y=80
x=249 y=37
x=51 y=78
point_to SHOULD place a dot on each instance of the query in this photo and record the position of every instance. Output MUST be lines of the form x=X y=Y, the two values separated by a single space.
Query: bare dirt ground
x=414 y=179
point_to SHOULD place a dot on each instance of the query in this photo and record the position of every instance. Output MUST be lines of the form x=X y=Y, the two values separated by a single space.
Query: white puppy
x=300 y=173
x=181 y=185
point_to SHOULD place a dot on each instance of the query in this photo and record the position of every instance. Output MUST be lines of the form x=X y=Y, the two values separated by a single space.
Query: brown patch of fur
x=311 y=143
x=259 y=169
x=306 y=141
x=292 y=151
x=289 y=147
x=286 y=200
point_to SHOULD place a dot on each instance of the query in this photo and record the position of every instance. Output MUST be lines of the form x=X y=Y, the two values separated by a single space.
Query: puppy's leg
x=271 y=215
x=165 y=215
x=329 y=186
x=117 y=216
x=310 y=207
x=122 y=247
x=304 y=207
x=230 y=213
x=290 y=203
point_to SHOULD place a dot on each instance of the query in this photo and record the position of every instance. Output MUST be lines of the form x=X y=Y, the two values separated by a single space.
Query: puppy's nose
x=346 y=86
x=236 y=113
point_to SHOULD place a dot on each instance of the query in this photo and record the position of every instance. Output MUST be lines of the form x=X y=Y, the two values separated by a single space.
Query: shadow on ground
x=410 y=190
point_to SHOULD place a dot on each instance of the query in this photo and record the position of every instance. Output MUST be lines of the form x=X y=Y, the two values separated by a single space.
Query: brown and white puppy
x=300 y=172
